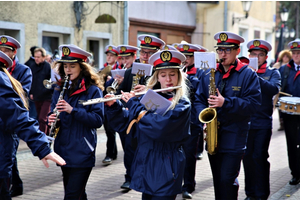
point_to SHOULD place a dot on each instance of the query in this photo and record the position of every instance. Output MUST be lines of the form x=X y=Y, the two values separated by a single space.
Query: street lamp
x=246 y=7
x=283 y=32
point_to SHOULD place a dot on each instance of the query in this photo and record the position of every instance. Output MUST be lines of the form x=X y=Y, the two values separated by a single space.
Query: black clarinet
x=54 y=130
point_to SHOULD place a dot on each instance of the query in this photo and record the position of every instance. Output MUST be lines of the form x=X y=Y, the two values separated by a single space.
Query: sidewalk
x=43 y=184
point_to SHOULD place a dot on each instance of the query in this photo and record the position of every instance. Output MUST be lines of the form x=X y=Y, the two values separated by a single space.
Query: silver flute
x=101 y=100
x=54 y=130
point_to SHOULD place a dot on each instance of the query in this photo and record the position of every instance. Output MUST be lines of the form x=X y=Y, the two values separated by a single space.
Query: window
x=94 y=49
x=256 y=34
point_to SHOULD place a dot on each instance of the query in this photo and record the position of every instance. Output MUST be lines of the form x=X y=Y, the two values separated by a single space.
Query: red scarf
x=80 y=89
x=236 y=66
x=192 y=70
x=12 y=68
x=115 y=66
x=262 y=69
x=297 y=74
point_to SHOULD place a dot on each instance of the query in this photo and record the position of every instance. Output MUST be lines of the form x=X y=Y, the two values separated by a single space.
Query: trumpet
x=48 y=83
x=114 y=86
x=102 y=100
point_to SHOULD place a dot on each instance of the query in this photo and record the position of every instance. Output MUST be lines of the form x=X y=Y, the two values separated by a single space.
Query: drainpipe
x=125 y=39
x=225 y=15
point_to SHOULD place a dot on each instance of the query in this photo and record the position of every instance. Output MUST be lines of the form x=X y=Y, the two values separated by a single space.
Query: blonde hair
x=91 y=77
x=181 y=92
x=17 y=86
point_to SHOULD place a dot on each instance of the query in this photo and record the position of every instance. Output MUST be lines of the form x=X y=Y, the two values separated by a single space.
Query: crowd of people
x=160 y=150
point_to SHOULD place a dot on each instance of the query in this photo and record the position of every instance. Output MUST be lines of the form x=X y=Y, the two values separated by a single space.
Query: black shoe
x=186 y=195
x=250 y=198
x=16 y=192
x=107 y=160
x=199 y=156
x=294 y=181
x=126 y=185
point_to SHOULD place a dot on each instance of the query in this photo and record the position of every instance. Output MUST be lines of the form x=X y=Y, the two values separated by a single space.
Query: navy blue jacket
x=269 y=80
x=22 y=73
x=159 y=160
x=293 y=80
x=15 y=121
x=242 y=99
x=77 y=137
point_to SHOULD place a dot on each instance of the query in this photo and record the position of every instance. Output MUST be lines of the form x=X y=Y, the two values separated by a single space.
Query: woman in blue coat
x=158 y=164
x=15 y=121
x=77 y=136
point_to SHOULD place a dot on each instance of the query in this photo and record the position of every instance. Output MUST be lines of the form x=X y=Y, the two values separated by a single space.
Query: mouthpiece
x=220 y=60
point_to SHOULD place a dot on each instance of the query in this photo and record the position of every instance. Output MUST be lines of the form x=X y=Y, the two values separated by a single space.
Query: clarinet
x=54 y=130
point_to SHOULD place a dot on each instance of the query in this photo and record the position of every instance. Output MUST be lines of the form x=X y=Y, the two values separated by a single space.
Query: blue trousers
x=4 y=189
x=190 y=150
x=151 y=197
x=256 y=165
x=225 y=169
x=75 y=180
x=111 y=145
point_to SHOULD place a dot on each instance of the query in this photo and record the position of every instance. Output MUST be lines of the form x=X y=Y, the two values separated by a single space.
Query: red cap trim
x=128 y=51
x=156 y=44
x=10 y=44
x=76 y=55
x=4 y=61
x=173 y=60
x=189 y=50
x=295 y=47
x=230 y=41
x=260 y=46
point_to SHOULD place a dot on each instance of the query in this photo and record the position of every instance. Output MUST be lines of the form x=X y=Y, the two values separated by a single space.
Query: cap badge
x=176 y=46
x=166 y=48
x=148 y=40
x=223 y=37
x=66 y=51
x=256 y=43
x=110 y=48
x=295 y=44
x=123 y=49
x=166 y=56
x=4 y=40
x=186 y=47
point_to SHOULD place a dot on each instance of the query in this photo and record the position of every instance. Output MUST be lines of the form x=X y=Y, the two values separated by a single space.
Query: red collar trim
x=238 y=67
x=12 y=68
x=192 y=71
x=262 y=69
x=81 y=88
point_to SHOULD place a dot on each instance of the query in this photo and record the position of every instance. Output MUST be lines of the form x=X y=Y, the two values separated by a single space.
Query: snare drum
x=289 y=105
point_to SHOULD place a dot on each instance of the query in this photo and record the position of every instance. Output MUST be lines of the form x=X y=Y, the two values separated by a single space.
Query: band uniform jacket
x=15 y=122
x=242 y=94
x=293 y=79
x=159 y=159
x=269 y=80
x=77 y=137
x=22 y=73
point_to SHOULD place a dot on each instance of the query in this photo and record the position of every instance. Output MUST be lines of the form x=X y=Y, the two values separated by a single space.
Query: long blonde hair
x=180 y=92
x=17 y=86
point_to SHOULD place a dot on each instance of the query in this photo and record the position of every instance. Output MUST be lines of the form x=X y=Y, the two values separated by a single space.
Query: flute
x=101 y=100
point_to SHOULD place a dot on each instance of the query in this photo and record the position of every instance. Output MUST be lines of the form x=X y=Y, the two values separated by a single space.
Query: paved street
x=105 y=181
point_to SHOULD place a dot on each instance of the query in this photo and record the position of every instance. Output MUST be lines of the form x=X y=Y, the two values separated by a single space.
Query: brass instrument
x=114 y=86
x=54 y=130
x=48 y=83
x=102 y=100
x=208 y=116
x=136 y=78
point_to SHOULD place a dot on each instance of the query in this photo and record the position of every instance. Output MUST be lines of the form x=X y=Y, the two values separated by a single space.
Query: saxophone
x=54 y=130
x=208 y=116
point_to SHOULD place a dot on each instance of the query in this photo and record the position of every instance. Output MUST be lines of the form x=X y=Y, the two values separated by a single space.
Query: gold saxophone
x=208 y=116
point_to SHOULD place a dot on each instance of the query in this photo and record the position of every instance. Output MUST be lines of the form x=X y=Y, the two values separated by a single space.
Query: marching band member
x=238 y=97
x=77 y=136
x=290 y=80
x=158 y=165
x=22 y=73
x=15 y=122
x=256 y=165
x=190 y=145
x=111 y=145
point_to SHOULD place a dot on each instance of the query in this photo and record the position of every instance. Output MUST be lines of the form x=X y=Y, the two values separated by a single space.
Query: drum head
x=293 y=100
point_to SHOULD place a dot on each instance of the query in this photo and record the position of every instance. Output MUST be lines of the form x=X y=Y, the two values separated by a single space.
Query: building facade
x=51 y=23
